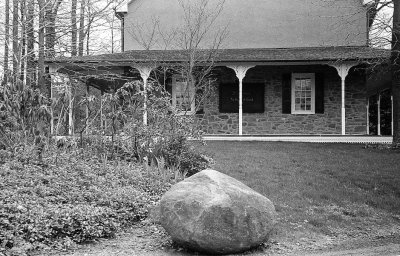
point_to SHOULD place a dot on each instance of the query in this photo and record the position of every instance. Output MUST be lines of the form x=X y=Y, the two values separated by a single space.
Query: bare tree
x=395 y=63
x=197 y=37
x=30 y=47
x=51 y=10
x=73 y=28
x=7 y=39
x=81 y=28
x=15 y=49
x=385 y=33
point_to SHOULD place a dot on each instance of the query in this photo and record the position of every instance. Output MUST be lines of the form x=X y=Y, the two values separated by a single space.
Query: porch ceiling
x=340 y=53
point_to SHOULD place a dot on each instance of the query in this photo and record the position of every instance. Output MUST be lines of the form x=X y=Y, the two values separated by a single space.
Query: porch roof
x=340 y=53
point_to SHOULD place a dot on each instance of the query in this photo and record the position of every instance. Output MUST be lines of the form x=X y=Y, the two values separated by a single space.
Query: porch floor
x=304 y=138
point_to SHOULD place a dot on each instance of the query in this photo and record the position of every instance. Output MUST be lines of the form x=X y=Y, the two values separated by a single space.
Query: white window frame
x=192 y=110
x=293 y=91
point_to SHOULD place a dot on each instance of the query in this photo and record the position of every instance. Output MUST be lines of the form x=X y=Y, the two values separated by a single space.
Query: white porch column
x=240 y=71
x=144 y=71
x=368 y=116
x=379 y=114
x=391 y=99
x=52 y=70
x=343 y=71
x=87 y=109
x=102 y=126
x=70 y=111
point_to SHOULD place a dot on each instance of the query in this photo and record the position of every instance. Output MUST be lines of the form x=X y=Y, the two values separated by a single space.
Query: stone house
x=288 y=67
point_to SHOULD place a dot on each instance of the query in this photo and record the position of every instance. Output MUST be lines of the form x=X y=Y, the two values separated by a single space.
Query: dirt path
x=383 y=250
x=148 y=239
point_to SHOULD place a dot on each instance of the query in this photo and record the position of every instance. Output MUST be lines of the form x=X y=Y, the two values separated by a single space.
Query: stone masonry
x=272 y=121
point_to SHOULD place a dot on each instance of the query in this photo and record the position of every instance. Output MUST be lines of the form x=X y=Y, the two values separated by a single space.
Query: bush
x=164 y=136
x=179 y=153
x=75 y=201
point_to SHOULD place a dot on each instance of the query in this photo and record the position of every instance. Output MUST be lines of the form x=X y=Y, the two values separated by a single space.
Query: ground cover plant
x=75 y=201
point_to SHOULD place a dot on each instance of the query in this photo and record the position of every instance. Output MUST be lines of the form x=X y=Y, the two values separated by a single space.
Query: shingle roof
x=238 y=55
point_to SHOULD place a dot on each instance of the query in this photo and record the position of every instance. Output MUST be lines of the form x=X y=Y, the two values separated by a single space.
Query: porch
x=361 y=139
x=331 y=99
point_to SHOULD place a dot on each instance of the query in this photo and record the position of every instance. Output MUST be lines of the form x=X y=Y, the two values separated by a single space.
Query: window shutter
x=319 y=93
x=286 y=93
x=229 y=97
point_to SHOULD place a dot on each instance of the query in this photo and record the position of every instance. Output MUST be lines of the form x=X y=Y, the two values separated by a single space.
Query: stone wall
x=272 y=121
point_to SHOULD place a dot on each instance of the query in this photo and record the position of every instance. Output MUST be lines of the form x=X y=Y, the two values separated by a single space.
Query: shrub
x=179 y=153
x=165 y=135
x=24 y=113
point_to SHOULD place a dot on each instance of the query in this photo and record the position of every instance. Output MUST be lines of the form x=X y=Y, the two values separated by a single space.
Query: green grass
x=323 y=193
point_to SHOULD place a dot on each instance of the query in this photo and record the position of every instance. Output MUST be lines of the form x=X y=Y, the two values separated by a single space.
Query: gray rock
x=214 y=213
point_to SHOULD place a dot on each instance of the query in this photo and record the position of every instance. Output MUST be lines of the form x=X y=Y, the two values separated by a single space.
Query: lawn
x=326 y=195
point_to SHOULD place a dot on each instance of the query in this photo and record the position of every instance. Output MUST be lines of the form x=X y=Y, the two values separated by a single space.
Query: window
x=183 y=96
x=303 y=93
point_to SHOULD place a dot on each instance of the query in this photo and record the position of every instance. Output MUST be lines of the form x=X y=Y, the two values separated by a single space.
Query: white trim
x=293 y=92
x=192 y=96
x=304 y=139
x=275 y=63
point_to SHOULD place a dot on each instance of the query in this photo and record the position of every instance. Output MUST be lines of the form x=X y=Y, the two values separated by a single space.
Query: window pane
x=298 y=84
x=308 y=84
x=303 y=94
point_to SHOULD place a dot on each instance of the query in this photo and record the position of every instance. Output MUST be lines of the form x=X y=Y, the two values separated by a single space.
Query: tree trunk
x=30 y=41
x=23 y=43
x=81 y=28
x=15 y=49
x=74 y=31
x=51 y=11
x=112 y=33
x=49 y=32
x=88 y=40
x=41 y=80
x=7 y=39
x=396 y=72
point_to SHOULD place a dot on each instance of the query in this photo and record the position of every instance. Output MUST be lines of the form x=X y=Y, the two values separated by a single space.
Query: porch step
x=305 y=138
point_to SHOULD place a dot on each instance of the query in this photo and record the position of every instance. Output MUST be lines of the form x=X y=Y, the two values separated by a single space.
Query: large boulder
x=213 y=213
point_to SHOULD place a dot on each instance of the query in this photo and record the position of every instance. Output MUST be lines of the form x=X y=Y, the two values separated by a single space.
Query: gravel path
x=149 y=239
